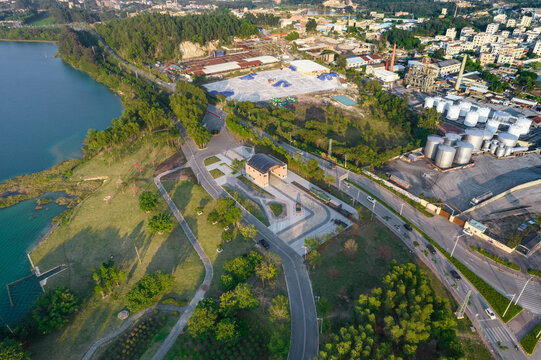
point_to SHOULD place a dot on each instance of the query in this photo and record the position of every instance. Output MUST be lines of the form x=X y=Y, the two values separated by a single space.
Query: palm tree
x=350 y=247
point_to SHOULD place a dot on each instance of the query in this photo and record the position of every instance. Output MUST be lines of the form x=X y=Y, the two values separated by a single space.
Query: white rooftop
x=308 y=66
x=266 y=59
x=228 y=66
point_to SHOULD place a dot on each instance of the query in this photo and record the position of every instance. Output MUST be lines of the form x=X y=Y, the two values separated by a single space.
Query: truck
x=479 y=199
x=400 y=182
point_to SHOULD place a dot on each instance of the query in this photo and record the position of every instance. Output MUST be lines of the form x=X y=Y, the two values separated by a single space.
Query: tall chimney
x=392 y=59
x=459 y=79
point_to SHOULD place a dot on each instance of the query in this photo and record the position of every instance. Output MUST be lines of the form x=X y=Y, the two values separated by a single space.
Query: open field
x=101 y=229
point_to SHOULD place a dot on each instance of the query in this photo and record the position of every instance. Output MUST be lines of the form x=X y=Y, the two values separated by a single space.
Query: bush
x=52 y=310
x=148 y=201
x=160 y=223
x=534 y=272
x=147 y=289
x=12 y=350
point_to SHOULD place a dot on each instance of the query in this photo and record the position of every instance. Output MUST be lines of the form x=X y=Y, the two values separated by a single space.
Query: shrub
x=147 y=289
x=495 y=258
x=52 y=310
x=160 y=223
x=148 y=201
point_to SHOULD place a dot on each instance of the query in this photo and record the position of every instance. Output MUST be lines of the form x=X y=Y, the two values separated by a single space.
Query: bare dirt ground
x=178 y=159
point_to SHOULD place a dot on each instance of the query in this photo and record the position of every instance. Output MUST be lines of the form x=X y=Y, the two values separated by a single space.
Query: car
x=431 y=249
x=347 y=185
x=408 y=227
x=467 y=232
x=531 y=221
x=340 y=222
x=490 y=313
x=455 y=274
x=264 y=243
x=371 y=200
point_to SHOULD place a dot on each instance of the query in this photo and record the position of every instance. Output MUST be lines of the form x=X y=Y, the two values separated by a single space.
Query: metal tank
x=431 y=146
x=442 y=106
x=445 y=156
x=515 y=130
x=465 y=107
x=501 y=116
x=508 y=151
x=492 y=125
x=475 y=137
x=520 y=149
x=451 y=139
x=486 y=145
x=484 y=112
x=494 y=146
x=524 y=123
x=472 y=117
x=453 y=113
x=463 y=153
x=500 y=151
x=487 y=135
x=508 y=139
x=429 y=102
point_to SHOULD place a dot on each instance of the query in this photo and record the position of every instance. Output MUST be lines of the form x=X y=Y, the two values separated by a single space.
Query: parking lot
x=460 y=186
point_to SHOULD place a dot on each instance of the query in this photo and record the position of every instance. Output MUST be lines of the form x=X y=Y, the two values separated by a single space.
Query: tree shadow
x=185 y=189
x=315 y=113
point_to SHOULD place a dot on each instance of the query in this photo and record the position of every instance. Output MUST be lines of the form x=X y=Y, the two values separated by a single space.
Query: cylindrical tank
x=445 y=156
x=494 y=146
x=475 y=137
x=442 y=106
x=492 y=125
x=508 y=151
x=429 y=102
x=453 y=113
x=500 y=151
x=437 y=100
x=451 y=139
x=431 y=146
x=463 y=153
x=486 y=145
x=484 y=112
x=464 y=107
x=471 y=118
x=515 y=130
x=487 y=135
x=524 y=123
x=508 y=139
x=501 y=116
x=520 y=149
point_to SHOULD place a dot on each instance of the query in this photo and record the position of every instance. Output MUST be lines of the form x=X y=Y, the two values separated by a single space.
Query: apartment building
x=487 y=58
x=492 y=28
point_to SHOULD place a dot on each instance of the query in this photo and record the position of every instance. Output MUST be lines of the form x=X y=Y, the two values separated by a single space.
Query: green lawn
x=248 y=204
x=254 y=186
x=211 y=160
x=99 y=230
x=277 y=209
x=216 y=173
x=377 y=246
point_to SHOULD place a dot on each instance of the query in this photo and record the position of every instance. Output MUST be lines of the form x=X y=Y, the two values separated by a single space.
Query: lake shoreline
x=30 y=41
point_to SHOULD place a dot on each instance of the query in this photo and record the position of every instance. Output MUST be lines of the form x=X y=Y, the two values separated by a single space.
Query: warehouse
x=260 y=166
x=308 y=67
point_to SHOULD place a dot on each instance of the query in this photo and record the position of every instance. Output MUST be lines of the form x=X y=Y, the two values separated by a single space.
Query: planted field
x=216 y=173
x=211 y=160
x=277 y=209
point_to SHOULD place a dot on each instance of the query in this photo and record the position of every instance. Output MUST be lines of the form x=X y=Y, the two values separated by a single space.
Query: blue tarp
x=327 y=76
x=292 y=67
x=247 y=77
x=281 y=83
x=226 y=93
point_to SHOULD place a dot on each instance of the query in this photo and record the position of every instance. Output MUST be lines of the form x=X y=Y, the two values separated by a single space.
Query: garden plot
x=270 y=84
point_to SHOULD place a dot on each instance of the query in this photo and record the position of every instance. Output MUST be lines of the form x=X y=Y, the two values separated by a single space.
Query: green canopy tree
x=279 y=309
x=11 y=349
x=203 y=319
x=311 y=25
x=148 y=200
x=160 y=223
x=52 y=310
x=226 y=330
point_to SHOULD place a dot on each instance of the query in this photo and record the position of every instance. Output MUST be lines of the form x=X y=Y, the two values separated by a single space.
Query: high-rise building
x=450 y=33
x=492 y=28
x=537 y=48
x=525 y=21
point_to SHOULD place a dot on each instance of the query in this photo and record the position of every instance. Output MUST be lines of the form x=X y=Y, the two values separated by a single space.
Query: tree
x=203 y=319
x=245 y=297
x=148 y=201
x=160 y=223
x=226 y=330
x=52 y=310
x=107 y=277
x=350 y=247
x=329 y=179
x=439 y=54
x=11 y=349
x=292 y=36
x=279 y=309
x=147 y=289
x=342 y=62
x=279 y=344
x=229 y=304
x=311 y=244
x=226 y=212
x=314 y=258
x=265 y=271
x=311 y=25
x=249 y=231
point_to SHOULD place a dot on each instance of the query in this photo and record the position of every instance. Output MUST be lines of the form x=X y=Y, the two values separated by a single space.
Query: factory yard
x=460 y=186
x=266 y=85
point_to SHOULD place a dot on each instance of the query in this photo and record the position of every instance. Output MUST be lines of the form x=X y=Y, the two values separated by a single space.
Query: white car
x=467 y=232
x=490 y=313
x=371 y=200
x=347 y=185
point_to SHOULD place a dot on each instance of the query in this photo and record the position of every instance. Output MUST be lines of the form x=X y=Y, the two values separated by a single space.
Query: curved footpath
x=200 y=293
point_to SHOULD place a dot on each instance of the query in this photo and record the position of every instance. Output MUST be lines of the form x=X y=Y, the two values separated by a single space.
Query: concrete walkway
x=125 y=325
x=200 y=293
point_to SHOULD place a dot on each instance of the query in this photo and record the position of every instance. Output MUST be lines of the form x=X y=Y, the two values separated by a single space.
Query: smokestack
x=392 y=59
x=459 y=79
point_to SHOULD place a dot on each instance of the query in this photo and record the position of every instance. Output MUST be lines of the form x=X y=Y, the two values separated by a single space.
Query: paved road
x=304 y=327
x=200 y=293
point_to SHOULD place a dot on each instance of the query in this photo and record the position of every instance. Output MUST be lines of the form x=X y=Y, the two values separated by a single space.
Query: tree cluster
x=147 y=289
x=107 y=277
x=189 y=104
x=397 y=320
x=262 y=19
x=402 y=38
x=51 y=311
x=225 y=212
x=161 y=223
x=239 y=269
x=11 y=349
x=148 y=200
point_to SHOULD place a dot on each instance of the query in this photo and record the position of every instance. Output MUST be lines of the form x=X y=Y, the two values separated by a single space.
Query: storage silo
x=486 y=145
x=465 y=107
x=484 y=112
x=487 y=135
x=508 y=139
x=501 y=116
x=429 y=102
x=442 y=106
x=471 y=118
x=524 y=123
x=494 y=146
x=492 y=125
x=431 y=146
x=463 y=153
x=500 y=151
x=451 y=139
x=520 y=149
x=515 y=130
x=445 y=156
x=453 y=113
x=508 y=151
x=475 y=137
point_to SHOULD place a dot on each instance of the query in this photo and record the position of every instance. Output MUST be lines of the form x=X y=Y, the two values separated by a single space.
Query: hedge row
x=495 y=258
x=534 y=272
x=492 y=296
x=530 y=341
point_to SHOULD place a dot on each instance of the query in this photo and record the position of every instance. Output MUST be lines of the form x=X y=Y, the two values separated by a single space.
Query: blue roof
x=344 y=100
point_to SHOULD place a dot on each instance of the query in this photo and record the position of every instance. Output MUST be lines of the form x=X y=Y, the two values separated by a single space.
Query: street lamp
x=373 y=206
x=510 y=301
x=401 y=207
x=524 y=288
x=456 y=242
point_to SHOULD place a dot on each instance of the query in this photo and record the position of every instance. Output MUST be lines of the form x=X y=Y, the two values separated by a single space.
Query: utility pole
x=508 y=305
x=460 y=312
x=373 y=207
x=401 y=207
x=330 y=148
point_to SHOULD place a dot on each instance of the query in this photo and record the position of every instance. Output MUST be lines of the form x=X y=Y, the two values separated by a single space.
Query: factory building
x=260 y=166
